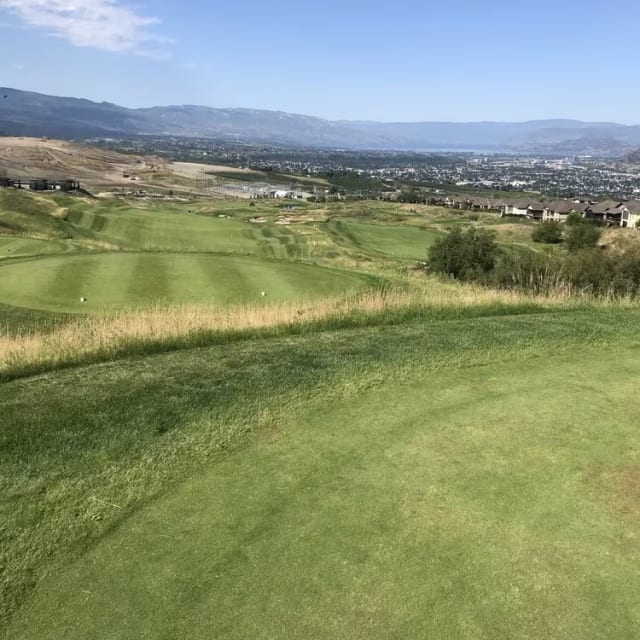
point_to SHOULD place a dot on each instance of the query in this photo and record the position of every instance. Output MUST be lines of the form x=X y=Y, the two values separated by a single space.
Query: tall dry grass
x=99 y=338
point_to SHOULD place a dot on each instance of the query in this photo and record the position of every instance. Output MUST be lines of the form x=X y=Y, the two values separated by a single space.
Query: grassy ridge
x=98 y=443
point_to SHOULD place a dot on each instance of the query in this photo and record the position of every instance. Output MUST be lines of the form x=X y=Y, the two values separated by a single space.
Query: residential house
x=607 y=212
x=518 y=208
x=66 y=185
x=39 y=184
x=461 y=202
x=536 y=210
x=484 y=204
x=559 y=210
x=630 y=214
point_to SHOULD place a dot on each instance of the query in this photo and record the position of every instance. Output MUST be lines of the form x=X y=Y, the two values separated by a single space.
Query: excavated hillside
x=58 y=159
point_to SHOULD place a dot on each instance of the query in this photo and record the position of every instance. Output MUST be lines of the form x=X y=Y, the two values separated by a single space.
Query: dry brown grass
x=103 y=337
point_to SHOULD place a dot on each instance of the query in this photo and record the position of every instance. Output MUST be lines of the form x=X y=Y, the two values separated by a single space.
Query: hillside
x=24 y=157
x=101 y=169
x=31 y=114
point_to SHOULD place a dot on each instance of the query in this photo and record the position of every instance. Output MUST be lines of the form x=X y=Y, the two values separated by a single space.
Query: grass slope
x=452 y=477
x=24 y=213
x=388 y=240
x=121 y=280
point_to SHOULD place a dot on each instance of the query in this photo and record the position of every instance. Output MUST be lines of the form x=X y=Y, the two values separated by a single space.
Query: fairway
x=124 y=280
x=389 y=240
x=462 y=495
x=166 y=228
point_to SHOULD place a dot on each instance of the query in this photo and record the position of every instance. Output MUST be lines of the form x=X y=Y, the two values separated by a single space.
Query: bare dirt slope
x=57 y=159
x=104 y=171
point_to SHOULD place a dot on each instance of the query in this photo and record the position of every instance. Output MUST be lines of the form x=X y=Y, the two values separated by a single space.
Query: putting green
x=125 y=280
x=396 y=241
x=14 y=246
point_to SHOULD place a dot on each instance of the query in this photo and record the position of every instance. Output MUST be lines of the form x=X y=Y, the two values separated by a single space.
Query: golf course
x=223 y=420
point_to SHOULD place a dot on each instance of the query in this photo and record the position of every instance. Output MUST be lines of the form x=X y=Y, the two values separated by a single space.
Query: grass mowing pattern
x=125 y=280
x=394 y=241
x=175 y=228
x=435 y=479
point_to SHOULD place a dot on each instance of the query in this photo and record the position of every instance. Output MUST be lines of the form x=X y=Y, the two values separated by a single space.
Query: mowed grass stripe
x=286 y=282
x=166 y=229
x=121 y=280
x=53 y=284
x=148 y=280
x=218 y=280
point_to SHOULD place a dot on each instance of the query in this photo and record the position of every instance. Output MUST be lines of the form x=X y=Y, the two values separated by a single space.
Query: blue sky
x=395 y=61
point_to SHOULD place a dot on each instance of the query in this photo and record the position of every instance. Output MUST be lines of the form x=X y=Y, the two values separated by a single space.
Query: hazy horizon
x=356 y=120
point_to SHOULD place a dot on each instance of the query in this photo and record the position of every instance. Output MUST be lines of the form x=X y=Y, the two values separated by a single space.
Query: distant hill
x=32 y=114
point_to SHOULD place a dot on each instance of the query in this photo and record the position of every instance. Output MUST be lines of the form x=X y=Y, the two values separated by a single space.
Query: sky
x=458 y=60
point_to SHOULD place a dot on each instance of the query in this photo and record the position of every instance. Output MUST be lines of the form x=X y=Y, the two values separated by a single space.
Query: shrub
x=590 y=271
x=468 y=255
x=529 y=271
x=547 y=232
x=582 y=236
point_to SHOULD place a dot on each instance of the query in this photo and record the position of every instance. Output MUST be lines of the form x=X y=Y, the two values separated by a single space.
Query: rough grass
x=90 y=339
x=457 y=476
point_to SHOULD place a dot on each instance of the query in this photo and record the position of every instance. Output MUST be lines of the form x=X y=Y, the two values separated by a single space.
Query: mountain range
x=25 y=113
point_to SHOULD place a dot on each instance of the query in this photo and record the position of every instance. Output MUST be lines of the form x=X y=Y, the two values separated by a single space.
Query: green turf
x=19 y=320
x=27 y=214
x=389 y=240
x=446 y=478
x=15 y=246
x=172 y=229
x=125 y=280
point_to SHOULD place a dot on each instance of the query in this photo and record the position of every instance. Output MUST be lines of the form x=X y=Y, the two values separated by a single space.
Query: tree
x=582 y=236
x=547 y=232
x=467 y=255
x=575 y=218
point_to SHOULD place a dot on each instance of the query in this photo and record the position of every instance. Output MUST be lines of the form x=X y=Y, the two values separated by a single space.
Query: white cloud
x=101 y=24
